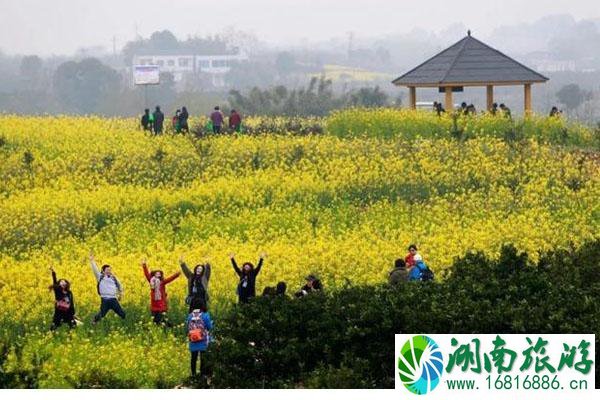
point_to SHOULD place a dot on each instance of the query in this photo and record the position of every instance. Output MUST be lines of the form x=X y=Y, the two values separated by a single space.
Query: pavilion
x=469 y=62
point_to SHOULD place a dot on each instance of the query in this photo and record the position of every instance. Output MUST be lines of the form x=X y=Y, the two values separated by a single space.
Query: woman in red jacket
x=158 y=292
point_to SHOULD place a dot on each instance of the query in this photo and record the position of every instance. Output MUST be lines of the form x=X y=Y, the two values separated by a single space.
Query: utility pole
x=350 y=43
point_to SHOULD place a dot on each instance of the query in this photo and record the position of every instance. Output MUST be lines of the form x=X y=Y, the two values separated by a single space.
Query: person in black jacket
x=246 y=289
x=64 y=305
x=197 y=283
x=313 y=284
x=159 y=119
x=183 y=120
x=146 y=120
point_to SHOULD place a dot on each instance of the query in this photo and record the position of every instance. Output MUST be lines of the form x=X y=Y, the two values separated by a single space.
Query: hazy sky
x=62 y=26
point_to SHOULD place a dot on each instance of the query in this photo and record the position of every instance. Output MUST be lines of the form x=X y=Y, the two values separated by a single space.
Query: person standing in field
x=197 y=283
x=505 y=111
x=64 y=304
x=198 y=324
x=109 y=289
x=409 y=260
x=313 y=284
x=420 y=272
x=158 y=292
x=183 y=120
x=399 y=273
x=146 y=124
x=235 y=121
x=217 y=120
x=555 y=112
x=246 y=288
x=159 y=119
x=175 y=122
x=494 y=109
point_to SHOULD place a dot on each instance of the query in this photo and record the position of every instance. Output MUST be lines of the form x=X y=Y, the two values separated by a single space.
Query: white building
x=180 y=64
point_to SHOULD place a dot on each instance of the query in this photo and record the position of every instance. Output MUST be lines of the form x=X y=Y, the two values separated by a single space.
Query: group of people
x=502 y=109
x=217 y=120
x=154 y=122
x=198 y=322
x=411 y=268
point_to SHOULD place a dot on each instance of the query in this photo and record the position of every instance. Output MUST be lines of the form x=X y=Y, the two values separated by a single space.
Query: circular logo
x=420 y=364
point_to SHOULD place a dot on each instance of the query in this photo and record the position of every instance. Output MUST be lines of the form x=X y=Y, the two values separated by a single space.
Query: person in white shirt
x=109 y=289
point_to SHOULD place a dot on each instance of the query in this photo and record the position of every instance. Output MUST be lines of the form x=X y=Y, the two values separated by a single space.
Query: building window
x=220 y=63
x=171 y=63
x=184 y=62
x=204 y=64
x=160 y=63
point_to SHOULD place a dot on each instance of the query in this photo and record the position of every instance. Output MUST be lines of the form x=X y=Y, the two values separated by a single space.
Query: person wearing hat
x=313 y=284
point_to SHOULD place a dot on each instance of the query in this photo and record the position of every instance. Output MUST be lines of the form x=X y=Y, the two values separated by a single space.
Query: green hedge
x=346 y=338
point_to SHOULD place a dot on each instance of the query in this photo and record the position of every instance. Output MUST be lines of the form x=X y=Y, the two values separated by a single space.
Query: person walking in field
x=197 y=283
x=217 y=120
x=246 y=288
x=235 y=121
x=145 y=122
x=159 y=118
x=158 y=292
x=64 y=304
x=109 y=289
x=183 y=120
x=198 y=324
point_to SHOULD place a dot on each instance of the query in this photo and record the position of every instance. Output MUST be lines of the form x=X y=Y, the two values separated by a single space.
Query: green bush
x=346 y=338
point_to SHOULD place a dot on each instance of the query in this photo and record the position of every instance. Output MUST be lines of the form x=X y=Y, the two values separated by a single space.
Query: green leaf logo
x=420 y=364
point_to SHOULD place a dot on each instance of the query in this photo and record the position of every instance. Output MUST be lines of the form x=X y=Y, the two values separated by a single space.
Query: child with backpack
x=109 y=289
x=64 y=305
x=246 y=289
x=158 y=291
x=198 y=324
x=197 y=282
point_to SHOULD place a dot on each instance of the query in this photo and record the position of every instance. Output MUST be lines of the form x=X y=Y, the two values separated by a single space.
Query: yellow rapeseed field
x=340 y=207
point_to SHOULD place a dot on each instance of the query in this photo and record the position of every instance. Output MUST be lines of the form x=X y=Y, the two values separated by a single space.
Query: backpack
x=426 y=275
x=114 y=278
x=197 y=332
x=420 y=272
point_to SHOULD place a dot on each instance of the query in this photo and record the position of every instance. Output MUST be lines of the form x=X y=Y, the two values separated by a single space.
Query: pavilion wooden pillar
x=490 y=97
x=448 y=103
x=412 y=97
x=527 y=99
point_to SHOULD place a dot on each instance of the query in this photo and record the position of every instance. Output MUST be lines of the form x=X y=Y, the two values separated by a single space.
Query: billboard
x=146 y=75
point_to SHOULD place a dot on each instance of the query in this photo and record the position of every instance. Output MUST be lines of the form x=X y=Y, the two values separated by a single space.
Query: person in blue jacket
x=198 y=324
x=420 y=272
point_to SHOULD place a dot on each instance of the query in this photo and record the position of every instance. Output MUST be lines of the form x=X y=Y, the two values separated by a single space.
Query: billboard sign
x=146 y=74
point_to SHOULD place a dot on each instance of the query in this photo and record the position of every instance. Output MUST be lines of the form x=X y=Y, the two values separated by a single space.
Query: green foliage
x=81 y=85
x=346 y=339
